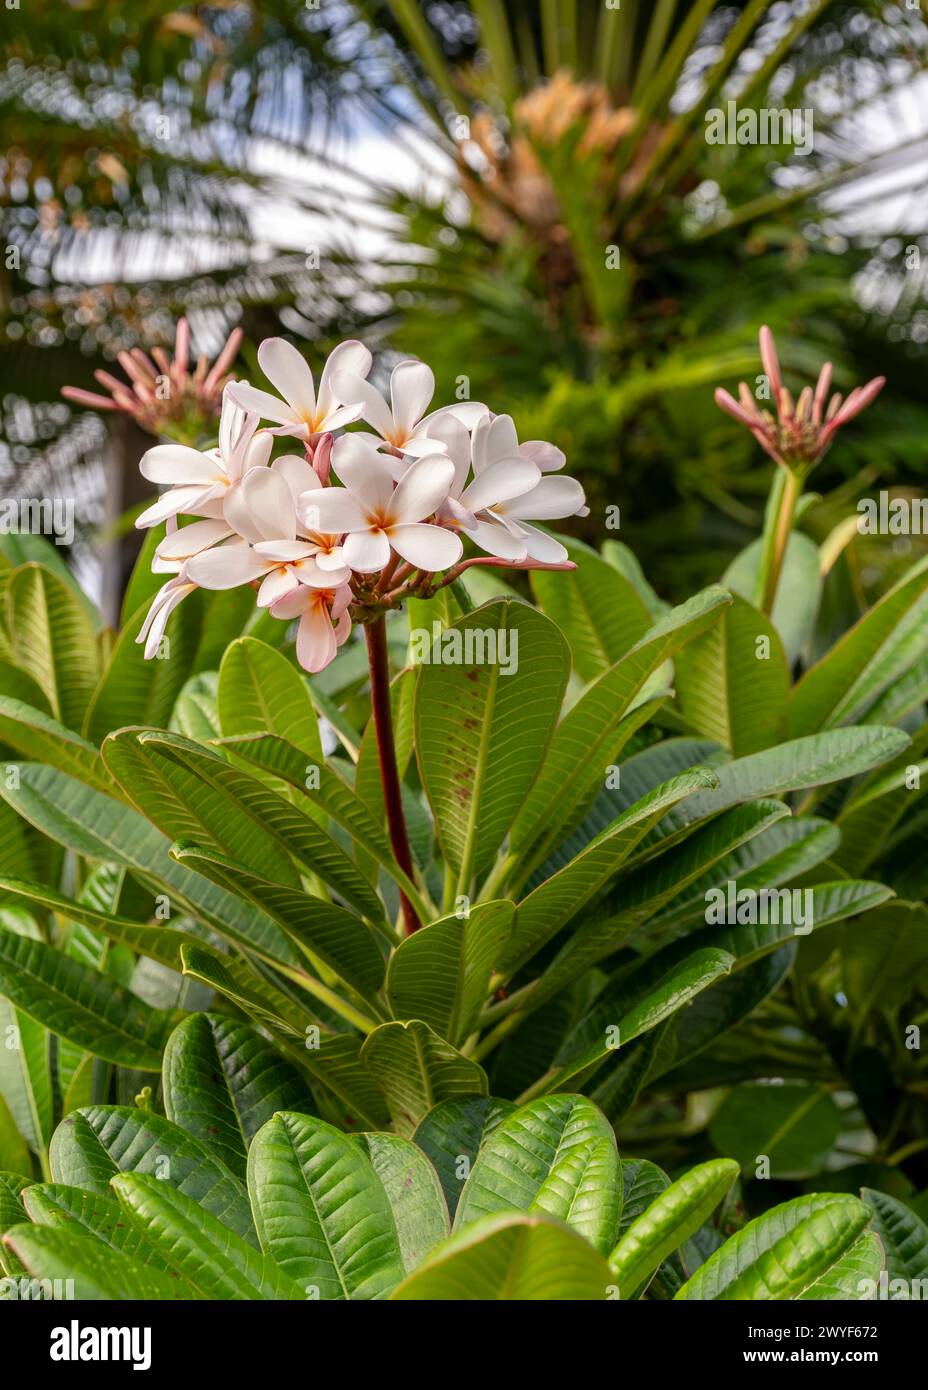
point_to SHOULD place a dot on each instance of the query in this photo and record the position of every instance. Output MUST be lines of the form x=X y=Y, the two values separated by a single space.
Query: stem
x=779 y=524
x=376 y=634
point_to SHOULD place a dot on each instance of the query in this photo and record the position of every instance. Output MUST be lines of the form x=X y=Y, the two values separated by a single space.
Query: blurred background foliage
x=521 y=193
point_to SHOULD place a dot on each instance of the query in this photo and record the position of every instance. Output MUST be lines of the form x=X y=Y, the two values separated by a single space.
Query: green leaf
x=214 y=1261
x=94 y=1271
x=55 y=641
x=594 y=731
x=597 y=608
x=72 y=1209
x=82 y=1005
x=14 y=1152
x=798 y=592
x=642 y=1182
x=865 y=661
x=259 y=691
x=673 y=1216
x=414 y=1193
x=441 y=973
x=554 y=1155
x=132 y=690
x=451 y=1135
x=12 y=1211
x=223 y=1080
x=339 y=938
x=794 y=1126
x=93 y=1144
x=883 y=961
x=513 y=1256
x=100 y=828
x=26 y=1075
x=417 y=1070
x=849 y=1277
x=482 y=728
x=194 y=714
x=321 y=1210
x=782 y=1253
x=37 y=735
x=733 y=682
x=904 y=1236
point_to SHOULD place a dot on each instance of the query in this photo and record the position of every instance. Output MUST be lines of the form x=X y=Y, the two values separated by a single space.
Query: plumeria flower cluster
x=801 y=431
x=361 y=518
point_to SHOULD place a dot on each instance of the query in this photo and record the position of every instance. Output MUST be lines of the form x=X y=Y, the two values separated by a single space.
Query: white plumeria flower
x=199 y=481
x=302 y=412
x=507 y=489
x=317 y=609
x=404 y=425
x=374 y=516
x=162 y=606
x=266 y=544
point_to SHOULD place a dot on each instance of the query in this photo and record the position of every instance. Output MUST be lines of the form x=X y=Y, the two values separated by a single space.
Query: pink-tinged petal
x=553 y=497
x=354 y=390
x=299 y=475
x=427 y=547
x=275 y=586
x=731 y=407
x=322 y=457
x=342 y=629
x=341 y=601
x=768 y=357
x=89 y=398
x=335 y=419
x=293 y=604
x=412 y=386
x=468 y=412
x=175 y=463
x=257 y=452
x=178 y=499
x=822 y=387
x=190 y=540
x=285 y=552
x=511 y=477
x=454 y=510
x=548 y=457
x=858 y=400
x=333 y=560
x=265 y=405
x=308 y=572
x=544 y=547
x=422 y=489
x=315 y=639
x=237 y=514
x=419 y=446
x=332 y=510
x=366 y=551
x=270 y=504
x=288 y=371
x=350 y=356
x=453 y=435
x=226 y=566
x=497 y=539
x=364 y=471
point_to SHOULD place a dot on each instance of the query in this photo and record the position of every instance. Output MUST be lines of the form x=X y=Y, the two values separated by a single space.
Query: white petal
x=342 y=415
x=190 y=540
x=331 y=560
x=449 y=431
x=412 y=386
x=288 y=371
x=269 y=501
x=419 y=444
x=226 y=566
x=300 y=475
x=178 y=499
x=350 y=356
x=308 y=572
x=547 y=457
x=233 y=421
x=353 y=389
x=268 y=407
x=509 y=478
x=332 y=510
x=276 y=585
x=175 y=463
x=364 y=471
x=551 y=498
x=544 y=547
x=256 y=453
x=292 y=604
x=422 y=488
x=468 y=412
x=501 y=440
x=366 y=551
x=495 y=539
x=283 y=552
x=426 y=547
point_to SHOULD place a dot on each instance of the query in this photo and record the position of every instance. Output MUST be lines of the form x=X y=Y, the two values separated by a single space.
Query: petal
x=366 y=551
x=544 y=547
x=255 y=454
x=552 y=497
x=342 y=629
x=468 y=412
x=422 y=488
x=417 y=445
x=353 y=389
x=332 y=510
x=276 y=585
x=315 y=639
x=497 y=540
x=300 y=476
x=288 y=370
x=233 y=422
x=547 y=457
x=350 y=356
x=265 y=405
x=449 y=431
x=511 y=477
x=501 y=440
x=341 y=600
x=178 y=499
x=308 y=572
x=334 y=419
x=412 y=386
x=269 y=503
x=364 y=471
x=427 y=547
x=175 y=463
x=293 y=604
x=226 y=566
x=284 y=552
x=190 y=540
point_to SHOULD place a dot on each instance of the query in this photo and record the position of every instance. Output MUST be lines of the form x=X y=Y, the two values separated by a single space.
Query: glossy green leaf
x=88 y=1269
x=855 y=1276
x=194 y=714
x=793 y=1126
x=132 y=690
x=92 y=1213
x=321 y=1211
x=416 y=1070
x=904 y=1236
x=55 y=641
x=414 y=1193
x=40 y=737
x=259 y=691
x=596 y=608
x=884 y=960
x=451 y=1135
